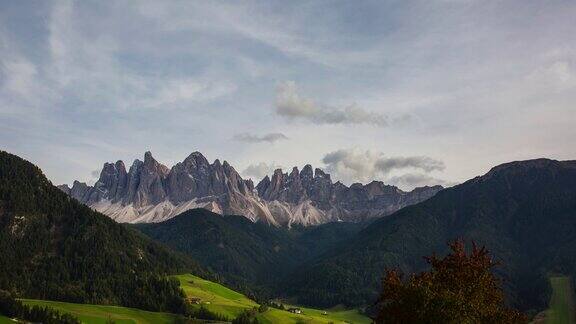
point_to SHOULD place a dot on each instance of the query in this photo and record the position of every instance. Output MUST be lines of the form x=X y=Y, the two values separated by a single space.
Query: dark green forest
x=523 y=212
x=52 y=247
x=250 y=257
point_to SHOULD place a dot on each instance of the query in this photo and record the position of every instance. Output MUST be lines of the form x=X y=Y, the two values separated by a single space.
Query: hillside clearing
x=99 y=314
x=228 y=302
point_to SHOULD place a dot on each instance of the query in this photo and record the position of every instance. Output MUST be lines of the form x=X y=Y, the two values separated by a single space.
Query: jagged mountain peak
x=151 y=192
x=319 y=173
x=148 y=156
x=307 y=173
x=196 y=158
x=295 y=171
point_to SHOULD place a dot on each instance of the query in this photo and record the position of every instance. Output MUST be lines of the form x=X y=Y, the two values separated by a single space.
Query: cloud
x=351 y=165
x=176 y=92
x=413 y=180
x=252 y=138
x=119 y=75
x=290 y=104
x=260 y=170
x=418 y=162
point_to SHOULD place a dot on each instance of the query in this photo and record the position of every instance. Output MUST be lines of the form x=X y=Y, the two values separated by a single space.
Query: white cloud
x=260 y=170
x=353 y=165
x=409 y=181
x=290 y=104
x=268 y=138
x=175 y=93
x=108 y=73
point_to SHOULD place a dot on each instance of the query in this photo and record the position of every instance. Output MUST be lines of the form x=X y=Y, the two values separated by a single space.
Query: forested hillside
x=251 y=256
x=52 y=247
x=523 y=212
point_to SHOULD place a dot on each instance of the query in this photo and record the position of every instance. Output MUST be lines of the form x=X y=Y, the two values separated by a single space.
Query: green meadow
x=6 y=320
x=211 y=295
x=230 y=303
x=99 y=314
x=561 y=309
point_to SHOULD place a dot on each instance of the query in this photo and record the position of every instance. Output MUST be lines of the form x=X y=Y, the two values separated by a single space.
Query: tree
x=460 y=288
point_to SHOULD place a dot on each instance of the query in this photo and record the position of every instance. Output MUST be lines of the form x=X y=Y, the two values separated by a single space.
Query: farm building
x=295 y=310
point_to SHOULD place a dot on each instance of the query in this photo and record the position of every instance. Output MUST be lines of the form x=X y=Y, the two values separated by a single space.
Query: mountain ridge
x=524 y=212
x=53 y=247
x=152 y=192
x=256 y=255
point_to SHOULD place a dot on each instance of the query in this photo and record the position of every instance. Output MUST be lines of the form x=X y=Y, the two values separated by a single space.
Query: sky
x=410 y=93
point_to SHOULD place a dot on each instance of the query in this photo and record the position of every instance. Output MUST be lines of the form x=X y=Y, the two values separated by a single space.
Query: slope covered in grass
x=215 y=297
x=561 y=309
x=98 y=314
x=225 y=301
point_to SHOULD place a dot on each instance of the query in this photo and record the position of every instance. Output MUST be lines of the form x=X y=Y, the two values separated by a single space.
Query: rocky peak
x=249 y=184
x=263 y=185
x=196 y=161
x=277 y=184
x=306 y=197
x=112 y=182
x=65 y=188
x=79 y=190
x=318 y=173
x=295 y=173
x=153 y=166
x=307 y=174
x=147 y=187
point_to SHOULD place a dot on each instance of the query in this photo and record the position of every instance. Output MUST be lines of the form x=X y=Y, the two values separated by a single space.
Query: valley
x=230 y=303
x=101 y=314
x=212 y=296
x=329 y=270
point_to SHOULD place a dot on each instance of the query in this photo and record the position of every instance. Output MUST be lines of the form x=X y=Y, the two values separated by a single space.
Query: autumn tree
x=460 y=288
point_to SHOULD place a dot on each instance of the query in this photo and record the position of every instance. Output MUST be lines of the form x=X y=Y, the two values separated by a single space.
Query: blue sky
x=408 y=92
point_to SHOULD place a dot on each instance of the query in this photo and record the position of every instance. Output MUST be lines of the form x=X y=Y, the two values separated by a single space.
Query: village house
x=295 y=310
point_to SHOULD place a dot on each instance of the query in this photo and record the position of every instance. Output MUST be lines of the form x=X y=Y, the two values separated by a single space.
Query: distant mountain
x=312 y=198
x=53 y=247
x=254 y=256
x=151 y=192
x=523 y=212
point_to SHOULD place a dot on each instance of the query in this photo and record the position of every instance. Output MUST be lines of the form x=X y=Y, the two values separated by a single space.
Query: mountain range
x=252 y=256
x=523 y=212
x=53 y=247
x=151 y=192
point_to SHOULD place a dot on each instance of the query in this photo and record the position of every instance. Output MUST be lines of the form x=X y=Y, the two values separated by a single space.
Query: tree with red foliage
x=460 y=288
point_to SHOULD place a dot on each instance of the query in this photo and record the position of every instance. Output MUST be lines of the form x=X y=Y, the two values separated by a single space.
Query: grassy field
x=98 y=314
x=6 y=320
x=222 y=300
x=213 y=296
x=562 y=302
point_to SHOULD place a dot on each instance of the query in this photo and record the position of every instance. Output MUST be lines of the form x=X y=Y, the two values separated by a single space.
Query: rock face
x=151 y=192
x=311 y=198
